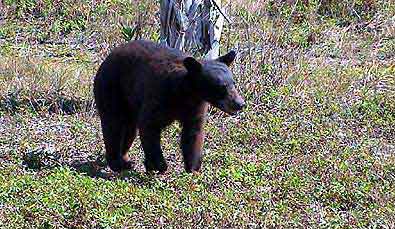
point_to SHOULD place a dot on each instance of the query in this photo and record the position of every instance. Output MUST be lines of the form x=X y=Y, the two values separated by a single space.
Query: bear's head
x=213 y=82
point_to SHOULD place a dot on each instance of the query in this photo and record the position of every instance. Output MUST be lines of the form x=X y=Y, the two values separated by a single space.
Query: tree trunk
x=193 y=26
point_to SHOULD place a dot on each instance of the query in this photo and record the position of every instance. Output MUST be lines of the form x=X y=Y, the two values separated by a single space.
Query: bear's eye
x=220 y=86
x=223 y=89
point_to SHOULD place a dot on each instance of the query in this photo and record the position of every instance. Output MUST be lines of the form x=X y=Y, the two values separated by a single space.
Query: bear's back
x=148 y=51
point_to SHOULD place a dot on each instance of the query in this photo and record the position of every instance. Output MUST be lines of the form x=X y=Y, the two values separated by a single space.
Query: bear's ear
x=192 y=64
x=227 y=58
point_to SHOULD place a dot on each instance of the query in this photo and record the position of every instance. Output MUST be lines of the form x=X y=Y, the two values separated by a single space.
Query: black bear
x=145 y=86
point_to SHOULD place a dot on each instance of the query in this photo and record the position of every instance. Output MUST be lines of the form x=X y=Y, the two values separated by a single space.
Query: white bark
x=193 y=26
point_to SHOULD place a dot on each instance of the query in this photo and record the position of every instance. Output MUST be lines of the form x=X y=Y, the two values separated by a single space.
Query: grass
x=314 y=148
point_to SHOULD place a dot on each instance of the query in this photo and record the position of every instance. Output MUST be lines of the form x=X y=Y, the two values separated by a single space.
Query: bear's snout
x=232 y=104
x=238 y=104
x=234 y=101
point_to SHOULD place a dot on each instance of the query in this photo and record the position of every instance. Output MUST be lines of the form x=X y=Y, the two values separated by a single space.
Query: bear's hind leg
x=130 y=133
x=154 y=160
x=114 y=134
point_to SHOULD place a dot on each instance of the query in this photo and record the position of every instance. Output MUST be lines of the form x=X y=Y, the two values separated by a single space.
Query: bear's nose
x=239 y=105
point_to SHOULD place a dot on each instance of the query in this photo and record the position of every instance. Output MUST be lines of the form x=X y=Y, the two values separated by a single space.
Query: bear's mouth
x=224 y=105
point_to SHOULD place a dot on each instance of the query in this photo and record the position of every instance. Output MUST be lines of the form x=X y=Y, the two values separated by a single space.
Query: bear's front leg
x=191 y=144
x=150 y=140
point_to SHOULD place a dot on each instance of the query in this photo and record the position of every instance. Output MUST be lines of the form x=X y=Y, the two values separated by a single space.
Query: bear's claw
x=119 y=165
x=160 y=166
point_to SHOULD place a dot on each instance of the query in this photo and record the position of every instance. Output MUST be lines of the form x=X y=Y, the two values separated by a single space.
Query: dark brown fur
x=144 y=86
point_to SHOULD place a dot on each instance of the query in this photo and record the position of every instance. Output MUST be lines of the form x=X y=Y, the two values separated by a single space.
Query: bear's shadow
x=91 y=167
x=98 y=169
